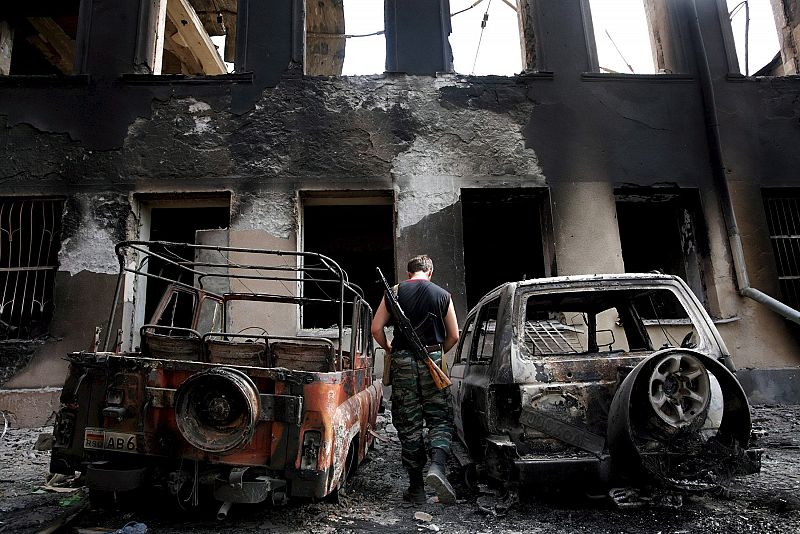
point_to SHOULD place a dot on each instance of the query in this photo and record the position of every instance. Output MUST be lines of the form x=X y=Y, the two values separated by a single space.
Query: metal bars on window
x=29 y=240
x=782 y=208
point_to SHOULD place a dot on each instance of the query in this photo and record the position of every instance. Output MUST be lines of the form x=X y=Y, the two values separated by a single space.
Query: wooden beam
x=194 y=36
x=6 y=47
x=325 y=41
x=175 y=47
x=54 y=43
x=159 y=22
x=230 y=36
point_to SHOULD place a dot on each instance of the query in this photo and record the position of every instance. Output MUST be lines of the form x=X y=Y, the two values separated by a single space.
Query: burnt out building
x=162 y=119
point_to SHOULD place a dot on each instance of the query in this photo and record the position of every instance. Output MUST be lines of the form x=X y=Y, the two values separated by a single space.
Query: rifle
x=440 y=379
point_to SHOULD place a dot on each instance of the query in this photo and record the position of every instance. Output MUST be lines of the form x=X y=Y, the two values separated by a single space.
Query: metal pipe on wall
x=718 y=171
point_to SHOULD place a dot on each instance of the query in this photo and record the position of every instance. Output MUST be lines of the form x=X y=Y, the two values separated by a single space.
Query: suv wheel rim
x=680 y=389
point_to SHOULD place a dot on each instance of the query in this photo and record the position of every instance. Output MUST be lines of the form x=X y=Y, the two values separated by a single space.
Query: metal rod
x=120 y=281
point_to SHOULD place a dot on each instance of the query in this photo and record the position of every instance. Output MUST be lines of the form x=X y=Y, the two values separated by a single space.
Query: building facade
x=117 y=121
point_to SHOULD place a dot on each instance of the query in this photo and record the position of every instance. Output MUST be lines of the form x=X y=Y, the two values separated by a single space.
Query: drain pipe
x=721 y=181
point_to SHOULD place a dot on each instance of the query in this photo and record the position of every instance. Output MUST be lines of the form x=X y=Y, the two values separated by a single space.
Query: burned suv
x=599 y=381
x=223 y=393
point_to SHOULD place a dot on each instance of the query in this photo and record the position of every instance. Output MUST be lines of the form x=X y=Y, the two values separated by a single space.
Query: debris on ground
x=132 y=528
x=423 y=516
x=44 y=442
x=373 y=503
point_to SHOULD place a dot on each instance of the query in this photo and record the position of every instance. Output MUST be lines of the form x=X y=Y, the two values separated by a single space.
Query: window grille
x=783 y=221
x=29 y=240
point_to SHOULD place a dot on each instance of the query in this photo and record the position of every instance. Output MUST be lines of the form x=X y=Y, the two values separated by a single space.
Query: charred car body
x=215 y=401
x=599 y=381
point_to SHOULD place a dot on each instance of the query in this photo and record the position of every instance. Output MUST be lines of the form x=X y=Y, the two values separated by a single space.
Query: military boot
x=416 y=488
x=437 y=477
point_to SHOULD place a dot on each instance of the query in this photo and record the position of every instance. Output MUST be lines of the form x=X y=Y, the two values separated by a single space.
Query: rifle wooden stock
x=440 y=380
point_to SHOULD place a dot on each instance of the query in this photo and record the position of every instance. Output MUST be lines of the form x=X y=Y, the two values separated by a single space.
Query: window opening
x=782 y=207
x=38 y=37
x=586 y=322
x=756 y=37
x=664 y=232
x=503 y=238
x=622 y=36
x=199 y=37
x=345 y=37
x=483 y=347
x=177 y=225
x=30 y=236
x=359 y=237
x=486 y=37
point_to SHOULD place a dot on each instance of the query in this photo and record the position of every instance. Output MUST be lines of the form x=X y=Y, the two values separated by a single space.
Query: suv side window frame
x=465 y=343
x=487 y=313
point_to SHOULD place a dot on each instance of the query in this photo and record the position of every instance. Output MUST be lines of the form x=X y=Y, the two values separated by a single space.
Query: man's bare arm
x=380 y=320
x=450 y=327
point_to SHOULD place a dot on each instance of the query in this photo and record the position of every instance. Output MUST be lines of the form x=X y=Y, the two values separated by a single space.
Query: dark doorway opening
x=503 y=238
x=664 y=232
x=359 y=237
x=178 y=225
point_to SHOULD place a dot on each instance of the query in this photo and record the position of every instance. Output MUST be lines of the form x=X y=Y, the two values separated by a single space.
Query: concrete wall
x=269 y=134
x=787 y=21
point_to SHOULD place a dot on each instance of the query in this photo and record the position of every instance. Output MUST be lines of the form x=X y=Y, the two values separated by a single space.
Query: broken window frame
x=27 y=268
x=592 y=50
x=150 y=48
x=525 y=22
x=134 y=310
x=688 y=200
x=731 y=52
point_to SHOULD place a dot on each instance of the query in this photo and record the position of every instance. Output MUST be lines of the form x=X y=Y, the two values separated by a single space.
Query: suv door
x=458 y=371
x=471 y=393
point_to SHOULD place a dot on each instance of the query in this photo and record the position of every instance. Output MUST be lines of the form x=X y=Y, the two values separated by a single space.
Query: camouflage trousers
x=415 y=399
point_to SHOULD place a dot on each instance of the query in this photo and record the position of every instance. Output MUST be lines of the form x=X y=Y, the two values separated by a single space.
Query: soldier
x=414 y=396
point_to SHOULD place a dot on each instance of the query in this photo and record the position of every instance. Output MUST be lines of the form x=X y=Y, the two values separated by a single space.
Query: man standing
x=415 y=397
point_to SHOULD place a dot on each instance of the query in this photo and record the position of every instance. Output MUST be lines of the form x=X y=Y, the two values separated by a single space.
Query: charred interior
x=38 y=38
x=504 y=238
x=362 y=235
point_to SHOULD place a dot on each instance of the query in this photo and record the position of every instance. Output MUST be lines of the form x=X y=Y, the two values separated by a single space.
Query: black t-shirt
x=425 y=304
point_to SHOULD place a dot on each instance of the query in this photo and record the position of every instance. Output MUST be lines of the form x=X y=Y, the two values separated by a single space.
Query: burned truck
x=599 y=382
x=222 y=393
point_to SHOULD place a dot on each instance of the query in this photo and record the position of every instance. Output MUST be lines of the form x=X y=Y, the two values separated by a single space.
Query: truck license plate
x=112 y=441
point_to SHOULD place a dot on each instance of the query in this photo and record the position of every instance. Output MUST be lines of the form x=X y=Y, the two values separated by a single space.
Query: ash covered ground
x=768 y=502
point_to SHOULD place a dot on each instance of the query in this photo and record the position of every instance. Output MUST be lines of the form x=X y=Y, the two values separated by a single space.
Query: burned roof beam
x=54 y=43
x=6 y=47
x=192 y=35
